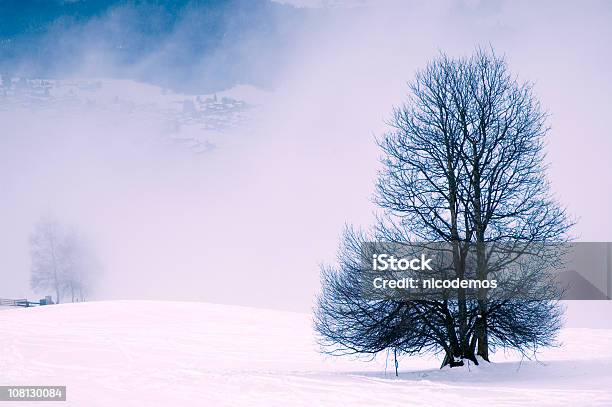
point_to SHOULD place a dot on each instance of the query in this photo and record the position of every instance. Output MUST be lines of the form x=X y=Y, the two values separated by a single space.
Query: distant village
x=194 y=120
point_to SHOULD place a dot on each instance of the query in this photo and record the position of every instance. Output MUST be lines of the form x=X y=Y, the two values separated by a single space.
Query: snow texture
x=153 y=353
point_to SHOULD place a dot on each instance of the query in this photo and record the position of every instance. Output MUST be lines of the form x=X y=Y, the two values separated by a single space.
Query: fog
x=249 y=221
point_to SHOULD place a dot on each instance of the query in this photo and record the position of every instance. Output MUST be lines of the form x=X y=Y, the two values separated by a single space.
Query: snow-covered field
x=146 y=353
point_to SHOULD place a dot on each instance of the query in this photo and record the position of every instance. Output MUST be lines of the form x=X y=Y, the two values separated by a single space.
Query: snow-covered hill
x=137 y=353
x=199 y=121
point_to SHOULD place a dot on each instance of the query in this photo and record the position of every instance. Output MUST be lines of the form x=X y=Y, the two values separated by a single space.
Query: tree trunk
x=481 y=262
x=482 y=334
x=395 y=361
x=481 y=322
x=451 y=360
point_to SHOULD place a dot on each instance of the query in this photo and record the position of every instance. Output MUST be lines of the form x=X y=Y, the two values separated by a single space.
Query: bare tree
x=46 y=254
x=80 y=266
x=464 y=165
x=61 y=260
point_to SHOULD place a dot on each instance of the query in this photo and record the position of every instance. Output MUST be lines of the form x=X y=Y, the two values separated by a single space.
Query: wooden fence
x=5 y=302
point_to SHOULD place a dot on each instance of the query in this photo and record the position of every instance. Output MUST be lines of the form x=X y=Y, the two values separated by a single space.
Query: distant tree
x=47 y=258
x=462 y=165
x=61 y=261
x=80 y=266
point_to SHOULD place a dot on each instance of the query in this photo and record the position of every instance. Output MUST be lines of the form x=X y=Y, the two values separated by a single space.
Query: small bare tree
x=61 y=261
x=46 y=254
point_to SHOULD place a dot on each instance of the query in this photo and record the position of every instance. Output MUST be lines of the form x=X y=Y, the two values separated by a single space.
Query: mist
x=249 y=221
